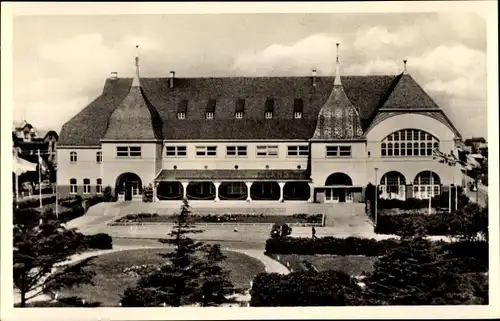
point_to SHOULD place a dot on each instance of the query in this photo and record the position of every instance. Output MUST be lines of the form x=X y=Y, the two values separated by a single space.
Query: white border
x=487 y=9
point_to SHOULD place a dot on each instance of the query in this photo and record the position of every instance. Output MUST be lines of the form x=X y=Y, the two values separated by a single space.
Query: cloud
x=378 y=37
x=294 y=59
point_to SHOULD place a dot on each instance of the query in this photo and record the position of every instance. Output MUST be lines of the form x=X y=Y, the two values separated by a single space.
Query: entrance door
x=128 y=191
x=348 y=196
x=342 y=194
x=332 y=195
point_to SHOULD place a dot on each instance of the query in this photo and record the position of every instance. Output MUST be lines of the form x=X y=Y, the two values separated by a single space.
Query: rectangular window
x=239 y=115
x=236 y=188
x=181 y=115
x=98 y=187
x=298 y=151
x=128 y=151
x=297 y=115
x=338 y=151
x=206 y=151
x=236 y=151
x=176 y=151
x=269 y=114
x=267 y=151
x=210 y=115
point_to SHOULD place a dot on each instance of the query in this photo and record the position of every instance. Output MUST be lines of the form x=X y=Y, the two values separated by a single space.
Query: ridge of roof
x=367 y=93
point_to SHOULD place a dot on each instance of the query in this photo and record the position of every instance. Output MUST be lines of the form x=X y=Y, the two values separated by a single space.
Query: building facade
x=311 y=139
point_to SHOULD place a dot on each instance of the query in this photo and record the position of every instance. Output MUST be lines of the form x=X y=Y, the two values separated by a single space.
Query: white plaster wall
x=85 y=167
x=113 y=166
x=221 y=161
x=353 y=166
x=410 y=166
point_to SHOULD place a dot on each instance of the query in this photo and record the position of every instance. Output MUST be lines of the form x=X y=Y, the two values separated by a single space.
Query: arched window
x=408 y=142
x=73 y=188
x=73 y=157
x=98 y=186
x=86 y=186
x=393 y=186
x=98 y=157
x=426 y=184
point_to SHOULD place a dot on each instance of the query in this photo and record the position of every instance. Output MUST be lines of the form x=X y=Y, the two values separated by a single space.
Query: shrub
x=330 y=245
x=305 y=288
x=466 y=223
x=108 y=195
x=96 y=199
x=31 y=203
x=280 y=231
x=77 y=302
x=101 y=241
x=147 y=194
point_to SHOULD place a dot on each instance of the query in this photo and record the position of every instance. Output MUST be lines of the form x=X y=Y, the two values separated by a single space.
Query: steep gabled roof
x=407 y=94
x=365 y=92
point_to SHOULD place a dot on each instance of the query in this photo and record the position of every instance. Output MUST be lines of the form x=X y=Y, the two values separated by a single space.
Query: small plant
x=108 y=194
x=147 y=194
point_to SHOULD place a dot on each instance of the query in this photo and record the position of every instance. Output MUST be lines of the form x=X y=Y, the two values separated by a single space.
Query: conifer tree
x=216 y=286
x=40 y=250
x=186 y=275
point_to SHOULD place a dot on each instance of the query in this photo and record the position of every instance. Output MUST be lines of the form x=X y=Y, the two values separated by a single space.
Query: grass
x=351 y=264
x=110 y=281
x=223 y=218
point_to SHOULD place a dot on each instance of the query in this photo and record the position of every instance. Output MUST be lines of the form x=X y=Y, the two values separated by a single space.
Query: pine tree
x=39 y=252
x=216 y=286
x=185 y=276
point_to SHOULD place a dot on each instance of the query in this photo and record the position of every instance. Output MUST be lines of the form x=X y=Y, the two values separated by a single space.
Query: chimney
x=314 y=77
x=405 y=71
x=114 y=75
x=172 y=78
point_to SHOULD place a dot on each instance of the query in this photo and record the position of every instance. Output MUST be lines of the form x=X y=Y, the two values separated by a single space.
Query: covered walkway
x=234 y=185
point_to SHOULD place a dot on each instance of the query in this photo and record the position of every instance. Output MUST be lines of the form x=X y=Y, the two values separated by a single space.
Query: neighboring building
x=261 y=138
x=27 y=141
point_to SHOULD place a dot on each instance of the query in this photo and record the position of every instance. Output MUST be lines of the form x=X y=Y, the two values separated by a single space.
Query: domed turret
x=338 y=118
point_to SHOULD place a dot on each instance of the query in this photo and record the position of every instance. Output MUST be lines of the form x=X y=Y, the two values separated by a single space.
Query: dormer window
x=182 y=109
x=269 y=108
x=298 y=106
x=210 y=110
x=239 y=108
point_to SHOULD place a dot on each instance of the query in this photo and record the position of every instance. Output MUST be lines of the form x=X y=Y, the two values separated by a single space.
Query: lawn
x=110 y=281
x=351 y=264
x=225 y=218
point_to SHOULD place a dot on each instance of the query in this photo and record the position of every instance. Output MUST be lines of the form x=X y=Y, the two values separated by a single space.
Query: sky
x=60 y=63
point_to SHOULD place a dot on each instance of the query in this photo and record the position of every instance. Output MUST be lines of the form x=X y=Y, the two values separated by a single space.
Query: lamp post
x=376 y=195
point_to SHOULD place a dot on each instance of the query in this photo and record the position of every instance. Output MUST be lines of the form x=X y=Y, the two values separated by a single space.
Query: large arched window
x=408 y=142
x=393 y=186
x=426 y=184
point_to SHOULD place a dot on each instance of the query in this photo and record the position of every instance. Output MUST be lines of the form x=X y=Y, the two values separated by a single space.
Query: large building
x=315 y=139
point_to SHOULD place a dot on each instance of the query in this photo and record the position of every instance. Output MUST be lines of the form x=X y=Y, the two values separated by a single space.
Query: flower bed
x=154 y=218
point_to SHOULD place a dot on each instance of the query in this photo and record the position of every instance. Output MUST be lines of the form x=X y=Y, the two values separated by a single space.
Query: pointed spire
x=405 y=71
x=136 y=82
x=337 y=81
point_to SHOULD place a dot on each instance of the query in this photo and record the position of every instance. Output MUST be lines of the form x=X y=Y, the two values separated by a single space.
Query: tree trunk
x=23 y=299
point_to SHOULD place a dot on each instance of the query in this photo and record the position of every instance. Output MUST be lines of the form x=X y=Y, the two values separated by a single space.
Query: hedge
x=330 y=245
x=327 y=288
x=469 y=219
x=101 y=241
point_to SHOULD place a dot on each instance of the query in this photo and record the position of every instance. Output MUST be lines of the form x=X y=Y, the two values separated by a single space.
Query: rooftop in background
x=25 y=132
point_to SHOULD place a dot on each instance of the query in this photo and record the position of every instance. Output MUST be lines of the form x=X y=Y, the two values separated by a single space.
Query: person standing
x=314 y=232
